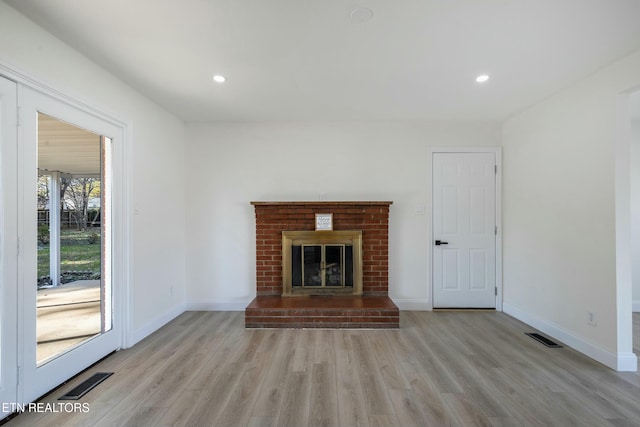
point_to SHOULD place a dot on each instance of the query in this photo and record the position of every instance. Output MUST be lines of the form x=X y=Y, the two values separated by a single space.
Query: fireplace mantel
x=324 y=203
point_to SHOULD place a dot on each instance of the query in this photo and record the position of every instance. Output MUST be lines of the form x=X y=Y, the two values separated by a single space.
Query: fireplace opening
x=322 y=263
x=322 y=266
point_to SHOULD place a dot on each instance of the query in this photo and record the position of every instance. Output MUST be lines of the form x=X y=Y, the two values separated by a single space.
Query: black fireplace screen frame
x=321 y=266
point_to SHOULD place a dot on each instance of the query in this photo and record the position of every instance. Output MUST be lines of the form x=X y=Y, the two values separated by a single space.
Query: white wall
x=157 y=163
x=230 y=165
x=559 y=210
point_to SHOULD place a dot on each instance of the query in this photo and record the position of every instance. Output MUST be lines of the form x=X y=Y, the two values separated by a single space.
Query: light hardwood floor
x=439 y=369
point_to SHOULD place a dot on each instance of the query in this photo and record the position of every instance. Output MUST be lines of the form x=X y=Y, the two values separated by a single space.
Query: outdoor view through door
x=74 y=237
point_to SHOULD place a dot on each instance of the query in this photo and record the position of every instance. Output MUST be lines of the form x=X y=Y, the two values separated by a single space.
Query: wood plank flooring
x=439 y=369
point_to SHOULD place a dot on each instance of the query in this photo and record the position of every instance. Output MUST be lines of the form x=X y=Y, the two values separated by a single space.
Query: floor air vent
x=544 y=340
x=86 y=386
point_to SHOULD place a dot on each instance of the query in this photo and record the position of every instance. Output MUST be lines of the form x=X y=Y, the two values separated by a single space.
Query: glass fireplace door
x=322 y=266
x=322 y=263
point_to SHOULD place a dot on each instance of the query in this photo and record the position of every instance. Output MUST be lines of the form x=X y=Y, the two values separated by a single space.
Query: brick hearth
x=321 y=312
x=373 y=309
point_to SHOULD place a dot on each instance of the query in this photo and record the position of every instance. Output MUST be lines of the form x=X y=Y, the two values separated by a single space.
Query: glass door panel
x=348 y=266
x=322 y=266
x=72 y=234
x=311 y=265
x=334 y=265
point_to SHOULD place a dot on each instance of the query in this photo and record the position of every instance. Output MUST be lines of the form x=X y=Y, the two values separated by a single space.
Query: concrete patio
x=67 y=315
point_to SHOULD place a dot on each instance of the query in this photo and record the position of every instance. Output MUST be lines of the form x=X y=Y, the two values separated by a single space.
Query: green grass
x=75 y=254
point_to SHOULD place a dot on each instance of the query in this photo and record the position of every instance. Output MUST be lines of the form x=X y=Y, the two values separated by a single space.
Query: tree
x=78 y=191
x=43 y=192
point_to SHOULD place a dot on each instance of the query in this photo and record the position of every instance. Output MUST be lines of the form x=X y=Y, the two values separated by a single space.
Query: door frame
x=8 y=245
x=122 y=246
x=497 y=151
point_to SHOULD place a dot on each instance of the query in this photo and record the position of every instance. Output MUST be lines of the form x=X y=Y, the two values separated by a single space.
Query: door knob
x=440 y=242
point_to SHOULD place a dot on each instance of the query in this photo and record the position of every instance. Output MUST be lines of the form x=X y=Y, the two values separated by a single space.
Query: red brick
x=271 y=219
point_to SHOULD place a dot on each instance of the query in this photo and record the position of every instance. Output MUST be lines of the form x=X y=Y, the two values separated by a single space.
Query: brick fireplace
x=372 y=309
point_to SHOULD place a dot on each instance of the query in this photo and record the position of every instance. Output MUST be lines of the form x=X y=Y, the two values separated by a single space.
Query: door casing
x=8 y=244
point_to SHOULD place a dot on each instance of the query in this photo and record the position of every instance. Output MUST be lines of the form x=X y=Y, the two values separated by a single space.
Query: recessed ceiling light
x=482 y=78
x=219 y=78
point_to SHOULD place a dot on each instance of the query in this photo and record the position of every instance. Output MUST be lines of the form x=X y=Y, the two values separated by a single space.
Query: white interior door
x=464 y=230
x=8 y=246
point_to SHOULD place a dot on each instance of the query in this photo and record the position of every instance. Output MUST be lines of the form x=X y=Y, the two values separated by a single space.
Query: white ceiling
x=307 y=60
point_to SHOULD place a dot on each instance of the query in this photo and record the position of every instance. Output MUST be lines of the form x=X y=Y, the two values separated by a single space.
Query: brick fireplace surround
x=374 y=309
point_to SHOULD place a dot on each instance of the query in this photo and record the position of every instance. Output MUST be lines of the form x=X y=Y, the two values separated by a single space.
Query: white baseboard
x=233 y=304
x=412 y=304
x=155 y=324
x=618 y=362
x=627 y=362
x=635 y=307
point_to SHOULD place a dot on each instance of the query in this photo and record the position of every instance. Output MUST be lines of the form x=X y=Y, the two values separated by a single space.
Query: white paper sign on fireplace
x=324 y=222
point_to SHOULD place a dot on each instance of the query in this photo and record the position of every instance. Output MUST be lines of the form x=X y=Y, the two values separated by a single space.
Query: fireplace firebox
x=321 y=263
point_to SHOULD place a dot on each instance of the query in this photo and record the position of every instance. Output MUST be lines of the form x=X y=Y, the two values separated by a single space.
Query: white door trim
x=8 y=245
x=498 y=153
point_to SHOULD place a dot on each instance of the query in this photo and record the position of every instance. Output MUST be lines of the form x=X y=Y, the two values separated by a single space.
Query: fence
x=67 y=219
